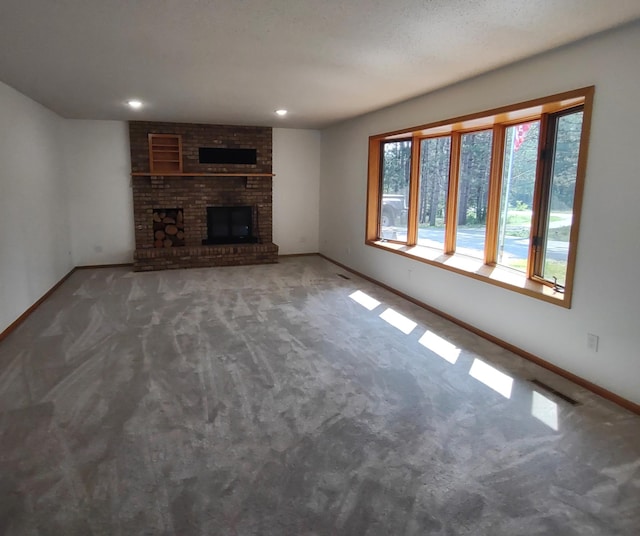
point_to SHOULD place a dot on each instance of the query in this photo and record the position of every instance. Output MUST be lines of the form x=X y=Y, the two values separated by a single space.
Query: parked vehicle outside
x=394 y=209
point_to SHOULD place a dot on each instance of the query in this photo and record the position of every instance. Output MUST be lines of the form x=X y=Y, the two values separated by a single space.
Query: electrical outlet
x=592 y=342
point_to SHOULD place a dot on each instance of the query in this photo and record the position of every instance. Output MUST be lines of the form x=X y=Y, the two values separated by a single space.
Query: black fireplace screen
x=229 y=225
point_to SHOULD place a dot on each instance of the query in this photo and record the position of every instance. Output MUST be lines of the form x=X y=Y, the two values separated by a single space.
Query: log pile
x=168 y=227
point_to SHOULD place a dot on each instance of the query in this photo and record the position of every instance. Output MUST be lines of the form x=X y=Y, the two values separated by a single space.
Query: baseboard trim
x=91 y=266
x=298 y=255
x=12 y=327
x=600 y=391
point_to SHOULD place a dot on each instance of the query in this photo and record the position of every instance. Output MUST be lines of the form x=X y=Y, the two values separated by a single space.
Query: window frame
x=498 y=120
x=381 y=179
x=419 y=177
x=546 y=163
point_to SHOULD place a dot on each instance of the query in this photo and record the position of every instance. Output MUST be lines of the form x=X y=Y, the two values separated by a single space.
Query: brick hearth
x=190 y=195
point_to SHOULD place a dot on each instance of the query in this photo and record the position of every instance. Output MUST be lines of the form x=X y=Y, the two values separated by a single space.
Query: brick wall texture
x=195 y=136
x=193 y=194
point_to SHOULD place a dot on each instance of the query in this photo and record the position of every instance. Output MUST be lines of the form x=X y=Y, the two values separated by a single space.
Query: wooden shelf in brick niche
x=165 y=153
x=168 y=227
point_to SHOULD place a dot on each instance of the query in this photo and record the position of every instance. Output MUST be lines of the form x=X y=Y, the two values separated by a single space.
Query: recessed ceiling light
x=281 y=112
x=135 y=104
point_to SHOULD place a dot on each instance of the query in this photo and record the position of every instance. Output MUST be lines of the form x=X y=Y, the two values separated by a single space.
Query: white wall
x=606 y=299
x=34 y=224
x=296 y=190
x=98 y=174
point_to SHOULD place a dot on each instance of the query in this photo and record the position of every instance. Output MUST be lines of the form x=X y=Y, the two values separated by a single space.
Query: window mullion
x=495 y=189
x=414 y=181
x=452 y=195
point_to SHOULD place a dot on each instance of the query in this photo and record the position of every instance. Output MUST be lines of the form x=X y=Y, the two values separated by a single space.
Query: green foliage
x=565 y=164
x=519 y=218
x=515 y=263
x=396 y=167
x=434 y=180
x=518 y=232
x=560 y=234
x=552 y=268
x=557 y=269
x=475 y=168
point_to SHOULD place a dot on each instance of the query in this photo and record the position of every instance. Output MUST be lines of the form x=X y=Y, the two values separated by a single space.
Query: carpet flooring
x=287 y=400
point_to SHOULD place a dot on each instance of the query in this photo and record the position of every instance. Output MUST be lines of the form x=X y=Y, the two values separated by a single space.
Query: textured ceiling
x=236 y=61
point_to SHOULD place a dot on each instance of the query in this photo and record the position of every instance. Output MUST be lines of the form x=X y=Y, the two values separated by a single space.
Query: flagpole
x=506 y=197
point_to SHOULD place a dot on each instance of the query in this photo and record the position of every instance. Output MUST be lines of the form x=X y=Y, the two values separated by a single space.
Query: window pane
x=396 y=169
x=434 y=181
x=518 y=181
x=473 y=189
x=563 y=184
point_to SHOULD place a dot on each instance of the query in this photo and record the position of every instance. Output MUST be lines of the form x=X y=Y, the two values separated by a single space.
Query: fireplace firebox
x=229 y=225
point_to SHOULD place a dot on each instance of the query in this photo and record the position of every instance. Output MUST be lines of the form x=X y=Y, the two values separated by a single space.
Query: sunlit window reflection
x=398 y=321
x=365 y=300
x=492 y=377
x=545 y=410
x=440 y=346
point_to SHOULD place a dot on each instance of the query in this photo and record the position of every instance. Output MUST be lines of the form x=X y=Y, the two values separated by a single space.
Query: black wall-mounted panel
x=215 y=155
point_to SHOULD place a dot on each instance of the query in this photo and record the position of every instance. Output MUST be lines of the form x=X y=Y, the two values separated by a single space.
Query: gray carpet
x=272 y=400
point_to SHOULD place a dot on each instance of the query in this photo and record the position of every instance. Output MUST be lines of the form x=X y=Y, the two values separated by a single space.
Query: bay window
x=494 y=195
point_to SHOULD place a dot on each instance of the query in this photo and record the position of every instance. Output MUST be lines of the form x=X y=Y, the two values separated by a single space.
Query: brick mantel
x=196 y=188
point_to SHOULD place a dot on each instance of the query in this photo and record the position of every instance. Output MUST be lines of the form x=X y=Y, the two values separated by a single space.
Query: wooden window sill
x=476 y=269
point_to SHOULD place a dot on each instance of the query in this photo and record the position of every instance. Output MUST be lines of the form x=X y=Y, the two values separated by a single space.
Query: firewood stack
x=168 y=227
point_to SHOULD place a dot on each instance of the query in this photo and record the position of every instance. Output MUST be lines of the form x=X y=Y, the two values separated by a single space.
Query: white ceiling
x=236 y=61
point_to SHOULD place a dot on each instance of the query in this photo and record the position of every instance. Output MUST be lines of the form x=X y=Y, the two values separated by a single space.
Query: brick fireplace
x=170 y=202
